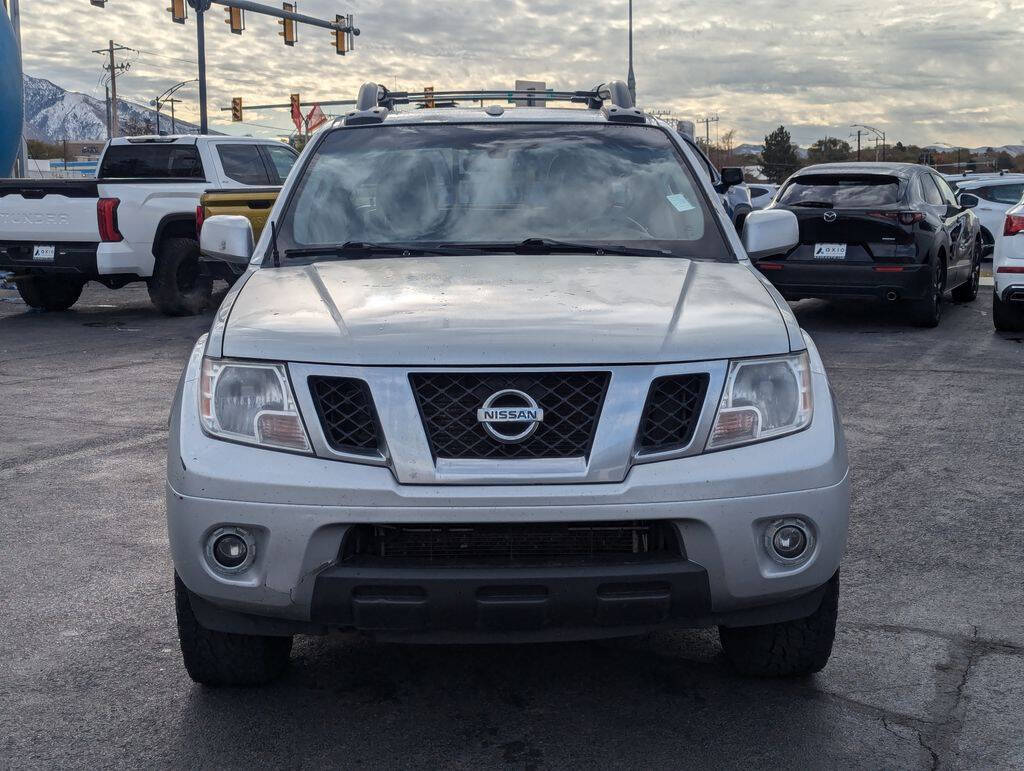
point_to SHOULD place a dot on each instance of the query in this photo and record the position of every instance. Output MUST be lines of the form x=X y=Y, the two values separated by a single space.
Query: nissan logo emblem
x=830 y=216
x=510 y=416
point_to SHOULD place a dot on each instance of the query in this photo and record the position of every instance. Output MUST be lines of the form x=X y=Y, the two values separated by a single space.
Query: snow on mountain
x=53 y=114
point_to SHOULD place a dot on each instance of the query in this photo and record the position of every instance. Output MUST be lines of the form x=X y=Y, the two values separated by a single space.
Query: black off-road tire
x=218 y=659
x=789 y=649
x=928 y=312
x=177 y=286
x=49 y=293
x=1006 y=317
x=968 y=291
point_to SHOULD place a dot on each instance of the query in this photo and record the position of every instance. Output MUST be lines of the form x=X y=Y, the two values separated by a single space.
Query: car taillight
x=106 y=218
x=1014 y=224
x=200 y=216
x=903 y=217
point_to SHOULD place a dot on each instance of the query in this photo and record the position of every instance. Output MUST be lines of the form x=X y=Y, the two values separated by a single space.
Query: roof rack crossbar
x=412 y=97
x=375 y=102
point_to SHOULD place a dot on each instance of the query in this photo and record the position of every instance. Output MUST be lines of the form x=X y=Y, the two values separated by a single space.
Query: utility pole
x=631 y=78
x=174 y=127
x=107 y=89
x=113 y=68
x=858 y=145
x=707 y=121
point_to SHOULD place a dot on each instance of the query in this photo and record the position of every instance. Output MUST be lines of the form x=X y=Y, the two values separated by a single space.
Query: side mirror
x=769 y=232
x=226 y=238
x=969 y=200
x=731 y=175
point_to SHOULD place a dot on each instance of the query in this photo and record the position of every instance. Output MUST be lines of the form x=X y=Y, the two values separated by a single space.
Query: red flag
x=296 y=113
x=315 y=119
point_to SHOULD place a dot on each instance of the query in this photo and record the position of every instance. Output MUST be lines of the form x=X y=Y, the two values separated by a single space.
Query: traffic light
x=288 y=31
x=178 y=11
x=340 y=38
x=236 y=109
x=97 y=3
x=428 y=98
x=236 y=18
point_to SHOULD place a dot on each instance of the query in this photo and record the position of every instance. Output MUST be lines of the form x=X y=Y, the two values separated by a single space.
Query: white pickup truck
x=135 y=222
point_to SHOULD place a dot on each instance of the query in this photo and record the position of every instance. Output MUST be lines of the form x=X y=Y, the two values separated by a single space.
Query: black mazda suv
x=889 y=231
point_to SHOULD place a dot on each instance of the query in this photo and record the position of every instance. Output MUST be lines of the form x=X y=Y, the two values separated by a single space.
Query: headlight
x=250 y=402
x=763 y=399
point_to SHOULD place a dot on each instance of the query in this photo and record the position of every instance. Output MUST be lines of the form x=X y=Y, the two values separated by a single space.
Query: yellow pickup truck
x=253 y=203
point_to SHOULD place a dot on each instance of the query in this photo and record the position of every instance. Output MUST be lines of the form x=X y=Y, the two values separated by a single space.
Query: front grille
x=448 y=404
x=512 y=544
x=672 y=412
x=347 y=414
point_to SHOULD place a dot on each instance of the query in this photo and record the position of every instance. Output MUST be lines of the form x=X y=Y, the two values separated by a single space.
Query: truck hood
x=504 y=310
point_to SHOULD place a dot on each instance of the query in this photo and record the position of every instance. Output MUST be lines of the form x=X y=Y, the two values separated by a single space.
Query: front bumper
x=796 y=280
x=299 y=509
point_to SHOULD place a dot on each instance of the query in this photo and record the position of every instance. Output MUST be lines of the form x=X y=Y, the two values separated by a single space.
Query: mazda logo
x=510 y=416
x=830 y=216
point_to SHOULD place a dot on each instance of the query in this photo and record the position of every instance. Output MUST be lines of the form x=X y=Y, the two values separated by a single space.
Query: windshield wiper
x=356 y=249
x=550 y=245
x=815 y=204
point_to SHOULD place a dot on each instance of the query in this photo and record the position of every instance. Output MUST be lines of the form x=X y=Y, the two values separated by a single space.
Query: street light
x=166 y=97
x=879 y=134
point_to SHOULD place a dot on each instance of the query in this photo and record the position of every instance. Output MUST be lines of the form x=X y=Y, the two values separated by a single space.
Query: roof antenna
x=273 y=244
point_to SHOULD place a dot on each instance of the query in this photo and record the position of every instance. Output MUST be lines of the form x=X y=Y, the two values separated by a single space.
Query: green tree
x=37 y=148
x=828 y=150
x=1004 y=160
x=779 y=158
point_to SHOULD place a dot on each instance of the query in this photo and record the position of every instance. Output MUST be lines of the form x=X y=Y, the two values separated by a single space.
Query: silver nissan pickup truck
x=503 y=374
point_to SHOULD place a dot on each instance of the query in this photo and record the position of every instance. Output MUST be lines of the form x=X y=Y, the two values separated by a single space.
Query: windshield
x=841 y=190
x=465 y=185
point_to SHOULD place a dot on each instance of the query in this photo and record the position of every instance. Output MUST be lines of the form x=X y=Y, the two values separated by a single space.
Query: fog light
x=789 y=541
x=230 y=549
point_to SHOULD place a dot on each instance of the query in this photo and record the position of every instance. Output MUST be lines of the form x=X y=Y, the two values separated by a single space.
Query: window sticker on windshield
x=679 y=202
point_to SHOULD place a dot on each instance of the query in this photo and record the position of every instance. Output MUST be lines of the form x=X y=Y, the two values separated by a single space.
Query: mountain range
x=752 y=149
x=54 y=114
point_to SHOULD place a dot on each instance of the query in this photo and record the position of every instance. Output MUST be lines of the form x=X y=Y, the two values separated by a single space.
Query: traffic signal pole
x=202 y=6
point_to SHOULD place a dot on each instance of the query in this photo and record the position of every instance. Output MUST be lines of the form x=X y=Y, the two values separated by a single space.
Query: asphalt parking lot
x=928 y=667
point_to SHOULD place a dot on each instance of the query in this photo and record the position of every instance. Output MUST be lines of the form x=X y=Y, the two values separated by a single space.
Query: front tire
x=49 y=293
x=1005 y=317
x=788 y=649
x=968 y=291
x=220 y=659
x=177 y=286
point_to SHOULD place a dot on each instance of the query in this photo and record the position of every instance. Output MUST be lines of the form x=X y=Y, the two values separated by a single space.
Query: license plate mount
x=830 y=251
x=43 y=253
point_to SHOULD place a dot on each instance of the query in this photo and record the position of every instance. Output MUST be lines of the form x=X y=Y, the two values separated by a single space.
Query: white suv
x=990 y=197
x=1008 y=272
x=503 y=374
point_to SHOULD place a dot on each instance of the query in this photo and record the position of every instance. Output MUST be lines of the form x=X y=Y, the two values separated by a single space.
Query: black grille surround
x=448 y=404
x=672 y=412
x=511 y=544
x=347 y=414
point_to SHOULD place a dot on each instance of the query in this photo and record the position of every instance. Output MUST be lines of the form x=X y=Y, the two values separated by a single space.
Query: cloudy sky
x=924 y=72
